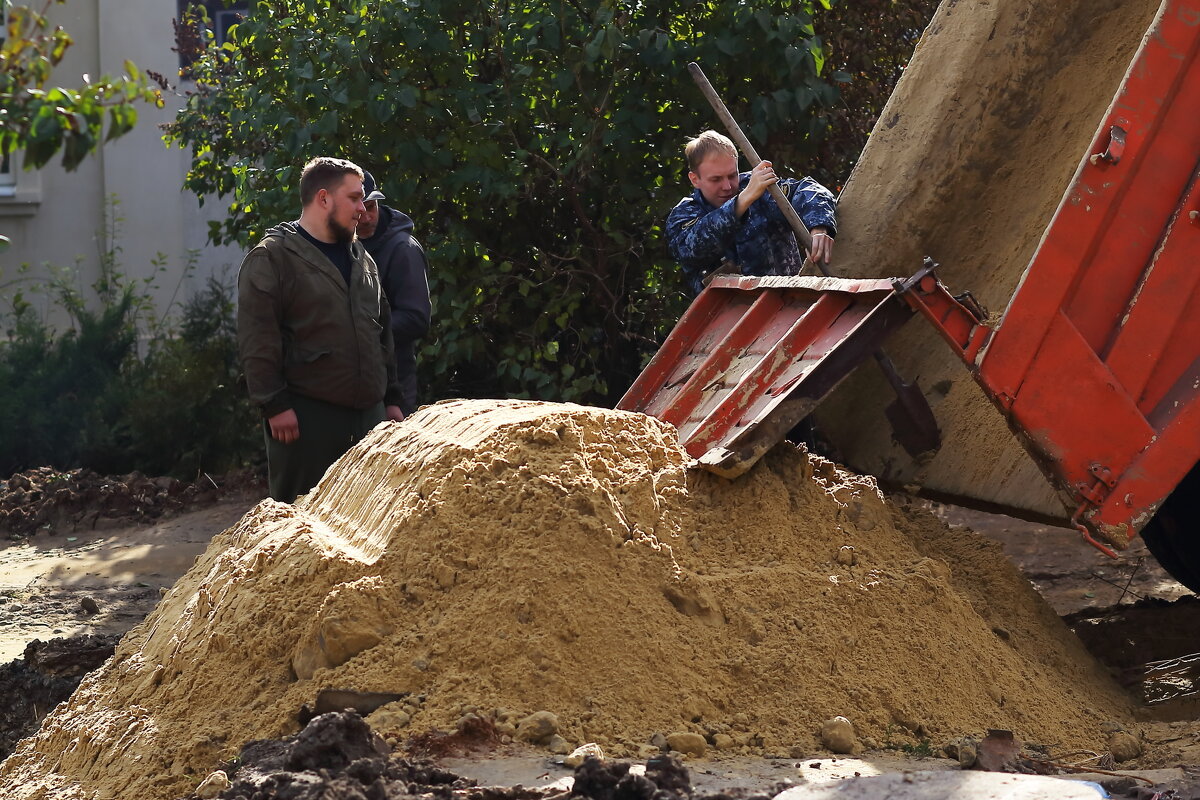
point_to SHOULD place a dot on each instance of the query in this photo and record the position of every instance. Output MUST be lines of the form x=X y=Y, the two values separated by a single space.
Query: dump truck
x=1094 y=364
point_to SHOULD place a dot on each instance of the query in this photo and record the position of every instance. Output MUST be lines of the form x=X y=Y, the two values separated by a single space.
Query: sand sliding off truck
x=1094 y=364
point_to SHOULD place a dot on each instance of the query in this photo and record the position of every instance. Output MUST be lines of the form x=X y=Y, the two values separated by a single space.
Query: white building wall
x=56 y=218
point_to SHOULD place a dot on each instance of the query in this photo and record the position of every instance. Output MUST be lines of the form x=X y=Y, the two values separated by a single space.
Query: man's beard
x=341 y=234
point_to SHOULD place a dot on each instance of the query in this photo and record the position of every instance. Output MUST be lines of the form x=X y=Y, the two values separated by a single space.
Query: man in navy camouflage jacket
x=730 y=216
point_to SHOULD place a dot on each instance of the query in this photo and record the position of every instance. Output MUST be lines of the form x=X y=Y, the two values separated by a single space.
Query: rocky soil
x=79 y=500
x=338 y=757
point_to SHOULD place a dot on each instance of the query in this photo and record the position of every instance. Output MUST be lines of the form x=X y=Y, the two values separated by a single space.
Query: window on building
x=222 y=16
x=8 y=178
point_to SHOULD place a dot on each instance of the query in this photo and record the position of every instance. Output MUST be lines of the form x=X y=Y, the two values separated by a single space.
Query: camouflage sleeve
x=699 y=240
x=813 y=202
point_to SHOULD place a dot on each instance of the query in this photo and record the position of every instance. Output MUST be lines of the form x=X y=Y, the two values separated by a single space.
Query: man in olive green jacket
x=314 y=334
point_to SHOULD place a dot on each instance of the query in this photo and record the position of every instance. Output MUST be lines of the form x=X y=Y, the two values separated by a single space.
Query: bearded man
x=313 y=332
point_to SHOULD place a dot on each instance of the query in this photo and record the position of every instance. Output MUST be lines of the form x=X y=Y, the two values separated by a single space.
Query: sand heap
x=527 y=556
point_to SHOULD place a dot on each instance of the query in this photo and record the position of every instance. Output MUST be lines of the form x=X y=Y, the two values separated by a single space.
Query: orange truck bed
x=1096 y=362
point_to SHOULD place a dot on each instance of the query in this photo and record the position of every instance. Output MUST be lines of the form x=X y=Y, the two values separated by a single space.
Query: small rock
x=538 y=727
x=723 y=741
x=390 y=717
x=558 y=745
x=966 y=750
x=1111 y=727
x=692 y=744
x=89 y=605
x=213 y=785
x=795 y=752
x=1124 y=746
x=647 y=751
x=838 y=736
x=580 y=753
x=846 y=556
x=660 y=741
x=506 y=729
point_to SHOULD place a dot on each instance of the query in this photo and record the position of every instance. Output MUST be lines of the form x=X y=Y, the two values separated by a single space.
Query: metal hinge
x=1093 y=495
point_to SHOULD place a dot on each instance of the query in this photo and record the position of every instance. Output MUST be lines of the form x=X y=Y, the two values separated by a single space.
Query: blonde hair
x=705 y=145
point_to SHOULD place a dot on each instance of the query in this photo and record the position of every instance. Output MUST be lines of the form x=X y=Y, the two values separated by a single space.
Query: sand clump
x=504 y=558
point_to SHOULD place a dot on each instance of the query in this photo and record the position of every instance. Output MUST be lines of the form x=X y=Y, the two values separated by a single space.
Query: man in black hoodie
x=387 y=235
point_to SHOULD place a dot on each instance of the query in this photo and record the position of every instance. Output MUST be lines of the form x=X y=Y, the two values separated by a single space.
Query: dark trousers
x=326 y=432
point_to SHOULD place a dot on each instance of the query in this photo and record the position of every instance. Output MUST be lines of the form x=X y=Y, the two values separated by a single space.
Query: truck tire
x=1173 y=535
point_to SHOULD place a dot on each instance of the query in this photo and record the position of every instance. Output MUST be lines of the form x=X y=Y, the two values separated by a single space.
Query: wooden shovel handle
x=739 y=138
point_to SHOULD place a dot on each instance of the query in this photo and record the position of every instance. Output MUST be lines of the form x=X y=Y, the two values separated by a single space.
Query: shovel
x=913 y=425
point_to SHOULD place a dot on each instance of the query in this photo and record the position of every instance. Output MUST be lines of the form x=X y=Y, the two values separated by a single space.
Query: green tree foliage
x=43 y=121
x=870 y=42
x=537 y=145
x=125 y=387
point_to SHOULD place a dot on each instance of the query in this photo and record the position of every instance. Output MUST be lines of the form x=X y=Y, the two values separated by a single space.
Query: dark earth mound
x=338 y=757
x=47 y=674
x=79 y=499
x=1151 y=646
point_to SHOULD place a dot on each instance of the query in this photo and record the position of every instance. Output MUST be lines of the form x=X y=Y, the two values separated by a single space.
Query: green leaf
x=381 y=109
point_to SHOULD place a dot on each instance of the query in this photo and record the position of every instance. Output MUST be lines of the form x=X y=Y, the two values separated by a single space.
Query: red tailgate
x=752 y=357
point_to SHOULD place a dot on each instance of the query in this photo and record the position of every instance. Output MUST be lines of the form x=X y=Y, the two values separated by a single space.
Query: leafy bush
x=192 y=413
x=538 y=146
x=42 y=121
x=56 y=392
x=123 y=389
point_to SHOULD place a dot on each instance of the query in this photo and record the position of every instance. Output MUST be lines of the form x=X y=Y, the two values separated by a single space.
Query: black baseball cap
x=370 y=189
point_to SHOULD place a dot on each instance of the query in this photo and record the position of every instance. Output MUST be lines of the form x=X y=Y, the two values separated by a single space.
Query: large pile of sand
x=530 y=556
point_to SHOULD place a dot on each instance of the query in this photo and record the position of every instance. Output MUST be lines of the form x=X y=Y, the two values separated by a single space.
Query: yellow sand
x=530 y=556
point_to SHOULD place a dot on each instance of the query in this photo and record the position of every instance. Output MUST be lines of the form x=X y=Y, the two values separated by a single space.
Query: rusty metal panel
x=753 y=356
x=1096 y=362
x=1121 y=209
x=967 y=165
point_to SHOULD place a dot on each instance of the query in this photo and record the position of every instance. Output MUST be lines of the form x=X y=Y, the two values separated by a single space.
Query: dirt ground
x=77 y=582
x=71 y=582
